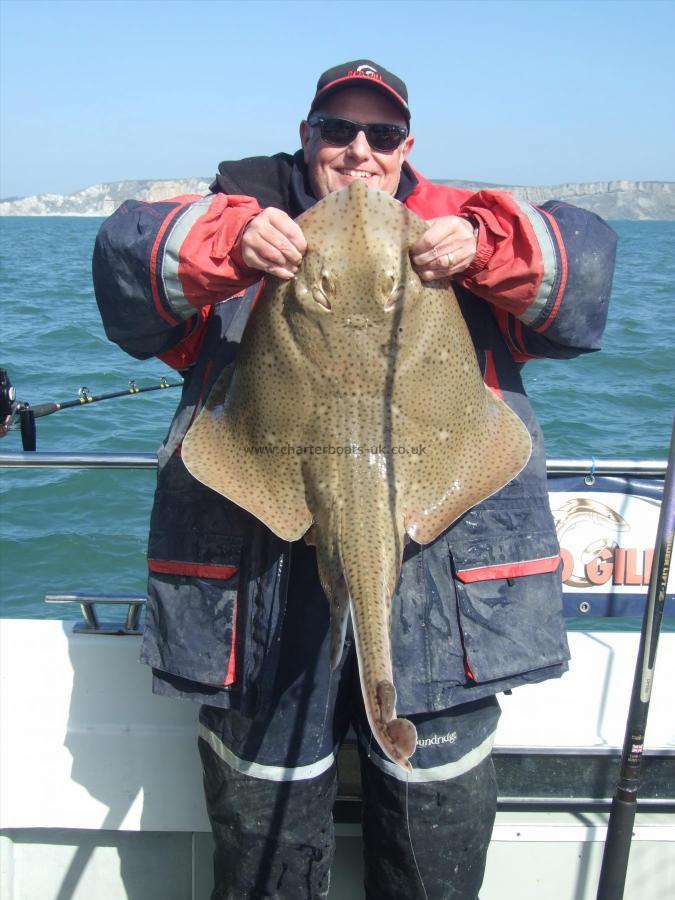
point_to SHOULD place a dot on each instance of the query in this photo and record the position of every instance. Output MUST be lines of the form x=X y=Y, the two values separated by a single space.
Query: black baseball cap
x=363 y=71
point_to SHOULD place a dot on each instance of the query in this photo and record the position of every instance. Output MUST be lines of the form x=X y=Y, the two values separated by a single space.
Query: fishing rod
x=13 y=411
x=84 y=396
x=622 y=814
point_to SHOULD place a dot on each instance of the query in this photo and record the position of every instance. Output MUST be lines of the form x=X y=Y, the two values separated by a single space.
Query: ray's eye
x=323 y=291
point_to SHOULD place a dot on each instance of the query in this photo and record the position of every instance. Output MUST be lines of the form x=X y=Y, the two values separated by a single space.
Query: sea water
x=86 y=530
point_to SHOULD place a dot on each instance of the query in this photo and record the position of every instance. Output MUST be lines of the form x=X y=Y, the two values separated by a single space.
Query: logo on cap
x=362 y=70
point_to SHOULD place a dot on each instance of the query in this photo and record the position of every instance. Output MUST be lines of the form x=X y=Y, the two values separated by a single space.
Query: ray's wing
x=455 y=469
x=461 y=442
x=244 y=442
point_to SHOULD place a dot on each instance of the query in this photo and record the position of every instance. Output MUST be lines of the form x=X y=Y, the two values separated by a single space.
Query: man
x=237 y=619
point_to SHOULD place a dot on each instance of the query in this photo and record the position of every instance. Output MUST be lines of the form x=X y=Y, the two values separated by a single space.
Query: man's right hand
x=273 y=243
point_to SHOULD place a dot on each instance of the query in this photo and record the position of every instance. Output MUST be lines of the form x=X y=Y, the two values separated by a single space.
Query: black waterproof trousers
x=271 y=781
x=276 y=840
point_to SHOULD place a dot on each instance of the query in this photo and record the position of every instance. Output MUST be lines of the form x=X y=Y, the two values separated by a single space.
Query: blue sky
x=514 y=92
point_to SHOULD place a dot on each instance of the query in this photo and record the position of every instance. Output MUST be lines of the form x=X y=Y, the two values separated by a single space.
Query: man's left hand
x=446 y=248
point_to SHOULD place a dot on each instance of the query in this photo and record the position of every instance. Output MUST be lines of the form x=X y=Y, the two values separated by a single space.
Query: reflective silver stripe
x=545 y=240
x=437 y=773
x=259 y=770
x=179 y=231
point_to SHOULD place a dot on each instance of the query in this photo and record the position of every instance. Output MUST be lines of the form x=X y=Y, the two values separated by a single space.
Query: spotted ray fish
x=356 y=416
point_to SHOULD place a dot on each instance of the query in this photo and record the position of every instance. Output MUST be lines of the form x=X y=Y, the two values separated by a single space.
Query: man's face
x=333 y=168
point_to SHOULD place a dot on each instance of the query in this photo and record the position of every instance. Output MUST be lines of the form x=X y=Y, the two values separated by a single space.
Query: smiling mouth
x=355 y=173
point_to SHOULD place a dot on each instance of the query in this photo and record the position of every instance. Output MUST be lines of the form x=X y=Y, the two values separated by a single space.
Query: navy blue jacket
x=477 y=611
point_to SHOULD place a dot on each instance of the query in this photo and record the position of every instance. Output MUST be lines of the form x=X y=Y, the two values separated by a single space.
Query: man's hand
x=273 y=243
x=446 y=248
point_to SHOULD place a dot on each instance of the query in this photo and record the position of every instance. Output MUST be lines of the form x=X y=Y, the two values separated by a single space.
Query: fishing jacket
x=477 y=611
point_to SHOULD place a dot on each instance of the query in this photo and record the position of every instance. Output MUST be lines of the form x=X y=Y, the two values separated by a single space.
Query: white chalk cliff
x=653 y=200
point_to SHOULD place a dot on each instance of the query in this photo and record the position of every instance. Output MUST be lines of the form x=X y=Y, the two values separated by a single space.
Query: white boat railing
x=57 y=459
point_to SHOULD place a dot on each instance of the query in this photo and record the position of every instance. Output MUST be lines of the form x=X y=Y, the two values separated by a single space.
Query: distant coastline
x=635 y=200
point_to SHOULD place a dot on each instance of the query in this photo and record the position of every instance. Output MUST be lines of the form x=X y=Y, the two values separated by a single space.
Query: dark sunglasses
x=340 y=132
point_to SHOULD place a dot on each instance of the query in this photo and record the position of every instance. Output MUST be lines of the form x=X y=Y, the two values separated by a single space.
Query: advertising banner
x=607 y=530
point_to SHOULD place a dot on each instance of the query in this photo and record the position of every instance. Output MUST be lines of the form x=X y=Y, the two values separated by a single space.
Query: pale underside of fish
x=356 y=416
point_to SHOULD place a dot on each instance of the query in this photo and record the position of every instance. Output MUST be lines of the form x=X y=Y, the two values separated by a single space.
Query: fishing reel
x=7 y=401
x=12 y=411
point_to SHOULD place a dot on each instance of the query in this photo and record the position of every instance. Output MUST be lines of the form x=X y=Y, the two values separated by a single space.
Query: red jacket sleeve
x=547 y=271
x=158 y=267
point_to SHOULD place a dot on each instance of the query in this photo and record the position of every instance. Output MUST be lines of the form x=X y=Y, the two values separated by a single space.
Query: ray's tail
x=397 y=737
x=359 y=551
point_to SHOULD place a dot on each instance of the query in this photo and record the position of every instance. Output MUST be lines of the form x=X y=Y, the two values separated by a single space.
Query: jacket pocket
x=191 y=624
x=509 y=604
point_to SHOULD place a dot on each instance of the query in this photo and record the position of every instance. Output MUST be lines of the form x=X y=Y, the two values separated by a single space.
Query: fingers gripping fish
x=360 y=360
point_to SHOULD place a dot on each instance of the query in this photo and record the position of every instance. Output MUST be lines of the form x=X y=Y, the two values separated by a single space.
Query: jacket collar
x=282 y=181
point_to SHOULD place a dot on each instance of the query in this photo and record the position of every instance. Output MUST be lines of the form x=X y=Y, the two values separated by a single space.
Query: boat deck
x=100 y=781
